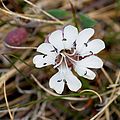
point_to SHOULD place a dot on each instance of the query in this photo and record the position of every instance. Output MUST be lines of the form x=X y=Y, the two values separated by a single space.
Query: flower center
x=69 y=55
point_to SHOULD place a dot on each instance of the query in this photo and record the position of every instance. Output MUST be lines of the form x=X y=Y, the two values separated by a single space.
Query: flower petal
x=73 y=82
x=48 y=57
x=94 y=47
x=83 y=37
x=91 y=62
x=56 y=39
x=42 y=61
x=70 y=34
x=46 y=48
x=56 y=82
x=85 y=72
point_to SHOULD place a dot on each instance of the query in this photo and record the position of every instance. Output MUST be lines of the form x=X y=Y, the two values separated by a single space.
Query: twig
x=107 y=113
x=112 y=97
x=40 y=113
x=107 y=76
x=103 y=109
x=46 y=13
x=114 y=88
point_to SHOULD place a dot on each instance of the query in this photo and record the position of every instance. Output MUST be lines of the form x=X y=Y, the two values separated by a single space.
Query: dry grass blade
x=28 y=94
x=107 y=114
x=7 y=104
x=104 y=108
x=112 y=99
x=107 y=76
x=12 y=72
x=54 y=18
x=20 y=48
x=27 y=17
x=94 y=93
x=41 y=86
x=89 y=102
x=114 y=88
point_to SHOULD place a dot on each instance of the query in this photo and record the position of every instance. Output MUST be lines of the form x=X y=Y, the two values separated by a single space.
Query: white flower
x=67 y=49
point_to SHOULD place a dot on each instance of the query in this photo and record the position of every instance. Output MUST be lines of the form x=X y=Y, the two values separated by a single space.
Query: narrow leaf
x=86 y=21
x=58 y=13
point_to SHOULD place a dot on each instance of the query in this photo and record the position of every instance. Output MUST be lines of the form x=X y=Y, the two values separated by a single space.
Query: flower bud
x=16 y=37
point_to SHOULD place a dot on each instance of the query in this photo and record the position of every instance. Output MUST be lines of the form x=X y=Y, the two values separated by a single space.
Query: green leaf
x=58 y=13
x=86 y=83
x=86 y=21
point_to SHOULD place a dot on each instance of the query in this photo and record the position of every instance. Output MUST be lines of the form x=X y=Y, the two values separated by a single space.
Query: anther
x=44 y=55
x=59 y=80
x=85 y=73
x=44 y=63
x=91 y=52
x=53 y=50
x=64 y=39
x=86 y=44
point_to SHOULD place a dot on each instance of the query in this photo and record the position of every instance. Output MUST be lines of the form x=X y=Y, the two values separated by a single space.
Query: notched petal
x=70 y=34
x=73 y=82
x=55 y=39
x=41 y=61
x=45 y=48
x=94 y=47
x=56 y=82
x=89 y=74
x=83 y=38
x=85 y=72
x=91 y=62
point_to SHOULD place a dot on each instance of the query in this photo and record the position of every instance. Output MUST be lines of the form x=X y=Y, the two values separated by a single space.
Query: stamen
x=59 y=63
x=53 y=50
x=66 y=63
x=59 y=80
x=64 y=39
x=72 y=53
x=71 y=58
x=62 y=54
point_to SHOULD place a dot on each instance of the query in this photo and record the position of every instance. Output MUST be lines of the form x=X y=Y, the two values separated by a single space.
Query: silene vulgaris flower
x=69 y=50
